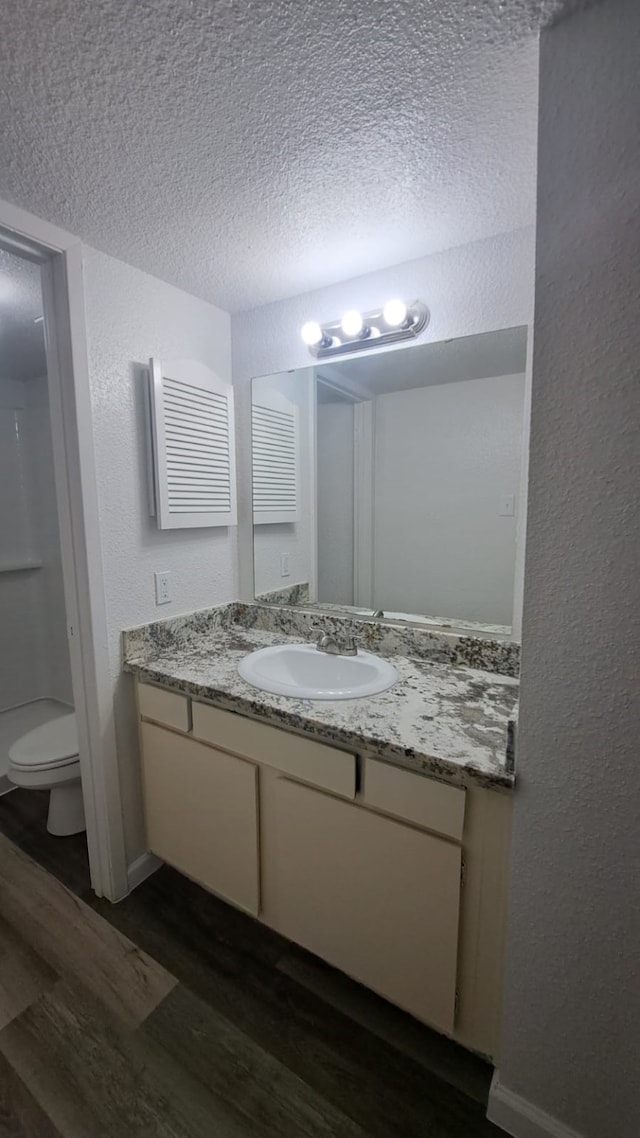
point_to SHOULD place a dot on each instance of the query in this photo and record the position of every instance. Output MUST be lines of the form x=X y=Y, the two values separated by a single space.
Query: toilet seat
x=54 y=744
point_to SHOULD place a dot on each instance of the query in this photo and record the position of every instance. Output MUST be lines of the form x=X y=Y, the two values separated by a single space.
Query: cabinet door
x=372 y=896
x=202 y=813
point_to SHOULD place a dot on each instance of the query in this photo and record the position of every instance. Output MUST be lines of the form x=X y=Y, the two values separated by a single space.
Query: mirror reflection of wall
x=408 y=482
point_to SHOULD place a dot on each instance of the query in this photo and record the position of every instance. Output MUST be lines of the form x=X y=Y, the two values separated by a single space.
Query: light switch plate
x=284 y=565
x=507 y=506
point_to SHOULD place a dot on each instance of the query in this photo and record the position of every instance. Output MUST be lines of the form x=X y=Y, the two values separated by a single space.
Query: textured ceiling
x=252 y=151
x=22 y=354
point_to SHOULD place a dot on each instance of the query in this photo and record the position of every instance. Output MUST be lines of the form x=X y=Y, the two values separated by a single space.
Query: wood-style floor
x=172 y=1014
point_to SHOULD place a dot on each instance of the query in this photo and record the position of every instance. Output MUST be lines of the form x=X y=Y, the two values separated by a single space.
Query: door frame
x=60 y=256
x=363 y=503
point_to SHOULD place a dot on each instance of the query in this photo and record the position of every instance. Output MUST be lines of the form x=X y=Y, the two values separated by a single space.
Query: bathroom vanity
x=373 y=832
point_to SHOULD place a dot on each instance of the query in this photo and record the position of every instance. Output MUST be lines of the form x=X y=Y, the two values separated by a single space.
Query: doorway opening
x=60 y=624
x=41 y=803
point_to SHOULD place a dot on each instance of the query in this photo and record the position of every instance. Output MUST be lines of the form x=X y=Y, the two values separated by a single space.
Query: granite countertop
x=453 y=723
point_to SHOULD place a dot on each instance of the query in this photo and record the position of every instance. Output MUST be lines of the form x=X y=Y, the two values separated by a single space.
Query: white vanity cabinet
x=201 y=808
x=393 y=877
x=378 y=899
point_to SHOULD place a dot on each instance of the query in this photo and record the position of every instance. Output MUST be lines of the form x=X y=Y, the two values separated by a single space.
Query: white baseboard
x=521 y=1118
x=142 y=868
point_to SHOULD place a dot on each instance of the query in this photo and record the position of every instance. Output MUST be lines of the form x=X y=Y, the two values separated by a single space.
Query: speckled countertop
x=454 y=723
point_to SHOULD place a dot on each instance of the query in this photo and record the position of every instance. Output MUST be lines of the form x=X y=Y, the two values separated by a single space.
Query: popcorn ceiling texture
x=249 y=152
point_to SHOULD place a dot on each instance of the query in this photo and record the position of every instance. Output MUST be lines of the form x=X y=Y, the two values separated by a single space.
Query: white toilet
x=47 y=759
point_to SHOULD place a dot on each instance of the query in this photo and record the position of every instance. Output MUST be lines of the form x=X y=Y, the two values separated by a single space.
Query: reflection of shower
x=35 y=677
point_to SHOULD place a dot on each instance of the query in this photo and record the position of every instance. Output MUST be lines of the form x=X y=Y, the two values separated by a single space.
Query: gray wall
x=335 y=502
x=444 y=455
x=571 y=1041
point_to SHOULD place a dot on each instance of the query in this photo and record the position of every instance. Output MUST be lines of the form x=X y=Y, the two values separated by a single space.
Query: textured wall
x=572 y=1015
x=249 y=152
x=473 y=288
x=130 y=317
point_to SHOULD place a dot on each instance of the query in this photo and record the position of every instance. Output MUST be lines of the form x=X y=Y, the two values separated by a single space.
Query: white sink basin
x=301 y=671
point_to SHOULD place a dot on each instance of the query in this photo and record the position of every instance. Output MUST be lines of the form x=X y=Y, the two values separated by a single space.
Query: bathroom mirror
x=390 y=482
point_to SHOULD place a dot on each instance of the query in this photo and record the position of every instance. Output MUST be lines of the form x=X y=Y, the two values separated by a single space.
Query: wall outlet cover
x=163 y=587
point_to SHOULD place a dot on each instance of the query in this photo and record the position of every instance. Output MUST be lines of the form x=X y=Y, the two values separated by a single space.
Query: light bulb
x=352 y=323
x=311 y=333
x=394 y=313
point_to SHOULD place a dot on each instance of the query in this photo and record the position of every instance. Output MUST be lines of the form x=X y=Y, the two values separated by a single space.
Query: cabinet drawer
x=201 y=811
x=415 y=798
x=166 y=707
x=311 y=762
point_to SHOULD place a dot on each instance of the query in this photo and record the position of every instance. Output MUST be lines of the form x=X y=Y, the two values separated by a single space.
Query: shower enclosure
x=35 y=674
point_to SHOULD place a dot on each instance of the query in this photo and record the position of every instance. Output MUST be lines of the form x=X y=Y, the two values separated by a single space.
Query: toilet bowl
x=47 y=759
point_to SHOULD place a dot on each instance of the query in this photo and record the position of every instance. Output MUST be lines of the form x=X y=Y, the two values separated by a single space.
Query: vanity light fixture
x=353 y=325
x=356 y=331
x=311 y=333
x=395 y=313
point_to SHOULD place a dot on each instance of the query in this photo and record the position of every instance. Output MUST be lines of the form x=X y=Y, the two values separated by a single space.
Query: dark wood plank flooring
x=23 y=818
x=172 y=1013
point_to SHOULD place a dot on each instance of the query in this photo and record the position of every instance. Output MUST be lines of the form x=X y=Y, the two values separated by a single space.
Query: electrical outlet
x=163 y=588
x=284 y=565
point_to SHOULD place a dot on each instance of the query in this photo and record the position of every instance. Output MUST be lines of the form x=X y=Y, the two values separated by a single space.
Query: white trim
x=68 y=376
x=142 y=868
x=522 y=496
x=521 y=1118
x=312 y=474
x=35 y=229
x=363 y=491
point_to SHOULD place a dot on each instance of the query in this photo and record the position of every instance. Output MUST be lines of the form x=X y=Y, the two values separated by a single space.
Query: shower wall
x=34 y=656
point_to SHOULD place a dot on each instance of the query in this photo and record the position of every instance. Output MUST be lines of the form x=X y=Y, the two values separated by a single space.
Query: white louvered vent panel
x=193 y=447
x=275 y=465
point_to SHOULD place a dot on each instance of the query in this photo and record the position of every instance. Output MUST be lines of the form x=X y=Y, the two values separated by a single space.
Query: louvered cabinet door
x=193 y=446
x=275 y=464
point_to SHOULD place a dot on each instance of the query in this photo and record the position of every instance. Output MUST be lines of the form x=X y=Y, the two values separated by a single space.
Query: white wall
x=22 y=674
x=296 y=389
x=130 y=317
x=335 y=502
x=444 y=455
x=571 y=1040
x=473 y=288
x=52 y=614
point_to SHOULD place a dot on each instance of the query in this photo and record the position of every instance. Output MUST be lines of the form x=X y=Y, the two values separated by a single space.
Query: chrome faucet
x=325 y=642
